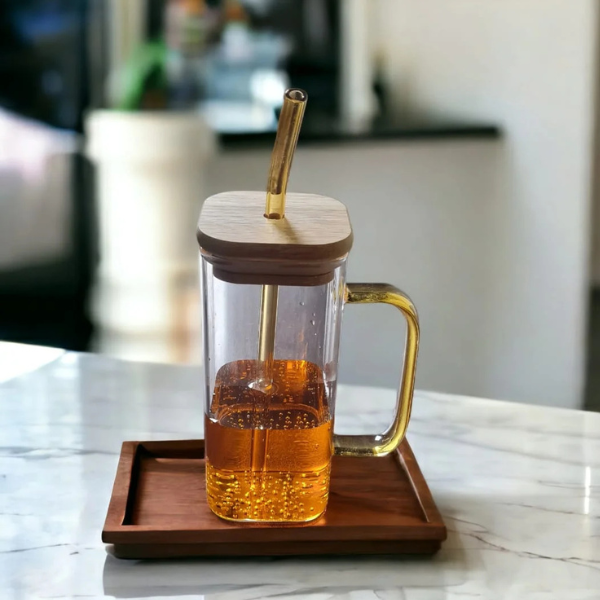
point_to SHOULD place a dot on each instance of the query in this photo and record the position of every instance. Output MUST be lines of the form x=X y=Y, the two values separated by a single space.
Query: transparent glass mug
x=269 y=450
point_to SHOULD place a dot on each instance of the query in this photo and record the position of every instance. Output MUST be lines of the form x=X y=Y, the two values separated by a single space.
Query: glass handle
x=380 y=445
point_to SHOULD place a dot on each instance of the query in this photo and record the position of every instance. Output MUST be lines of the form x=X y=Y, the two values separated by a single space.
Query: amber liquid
x=268 y=451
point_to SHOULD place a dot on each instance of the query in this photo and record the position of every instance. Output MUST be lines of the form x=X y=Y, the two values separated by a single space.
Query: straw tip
x=296 y=95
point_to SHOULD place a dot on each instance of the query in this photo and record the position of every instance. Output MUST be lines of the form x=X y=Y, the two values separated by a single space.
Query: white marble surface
x=518 y=486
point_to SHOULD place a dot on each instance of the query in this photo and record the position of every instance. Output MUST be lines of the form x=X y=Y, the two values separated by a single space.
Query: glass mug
x=269 y=450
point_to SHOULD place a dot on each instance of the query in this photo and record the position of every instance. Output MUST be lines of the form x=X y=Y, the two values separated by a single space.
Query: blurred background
x=461 y=135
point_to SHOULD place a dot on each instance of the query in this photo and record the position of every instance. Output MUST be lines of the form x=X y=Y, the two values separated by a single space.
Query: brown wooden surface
x=333 y=548
x=158 y=509
x=246 y=247
x=315 y=227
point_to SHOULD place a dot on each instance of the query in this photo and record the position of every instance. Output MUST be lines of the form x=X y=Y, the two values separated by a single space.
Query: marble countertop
x=518 y=487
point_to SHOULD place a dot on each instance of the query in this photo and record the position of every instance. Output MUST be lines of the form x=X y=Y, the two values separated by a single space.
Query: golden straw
x=288 y=130
x=266 y=335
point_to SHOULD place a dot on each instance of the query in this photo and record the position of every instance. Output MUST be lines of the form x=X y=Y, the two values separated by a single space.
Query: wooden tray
x=158 y=509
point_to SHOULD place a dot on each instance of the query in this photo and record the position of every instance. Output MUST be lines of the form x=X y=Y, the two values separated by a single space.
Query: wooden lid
x=303 y=248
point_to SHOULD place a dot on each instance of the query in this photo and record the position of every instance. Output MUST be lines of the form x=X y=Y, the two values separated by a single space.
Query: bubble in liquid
x=301 y=303
x=313 y=322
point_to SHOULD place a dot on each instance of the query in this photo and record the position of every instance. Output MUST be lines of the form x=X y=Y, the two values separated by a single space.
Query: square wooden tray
x=158 y=509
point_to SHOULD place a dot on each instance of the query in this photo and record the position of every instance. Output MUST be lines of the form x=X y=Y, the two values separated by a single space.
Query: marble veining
x=518 y=486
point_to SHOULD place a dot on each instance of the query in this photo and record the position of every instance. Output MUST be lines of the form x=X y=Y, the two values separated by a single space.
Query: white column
x=151 y=181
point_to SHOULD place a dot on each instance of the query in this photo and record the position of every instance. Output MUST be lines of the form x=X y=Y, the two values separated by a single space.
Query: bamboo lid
x=303 y=248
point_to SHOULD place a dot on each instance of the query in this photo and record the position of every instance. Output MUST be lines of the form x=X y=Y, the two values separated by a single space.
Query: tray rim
x=431 y=529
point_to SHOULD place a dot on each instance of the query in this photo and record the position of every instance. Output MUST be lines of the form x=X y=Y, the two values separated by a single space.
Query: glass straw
x=288 y=130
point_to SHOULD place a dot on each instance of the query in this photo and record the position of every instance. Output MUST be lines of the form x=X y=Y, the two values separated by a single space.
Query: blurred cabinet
x=421 y=218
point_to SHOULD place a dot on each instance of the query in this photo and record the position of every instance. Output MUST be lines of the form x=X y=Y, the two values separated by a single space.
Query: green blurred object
x=144 y=79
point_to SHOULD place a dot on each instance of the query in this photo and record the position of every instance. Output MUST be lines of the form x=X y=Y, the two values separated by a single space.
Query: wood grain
x=158 y=509
x=235 y=236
